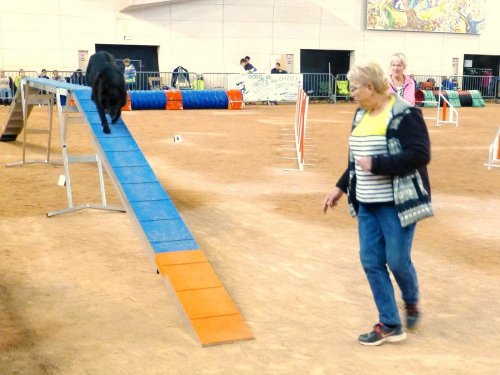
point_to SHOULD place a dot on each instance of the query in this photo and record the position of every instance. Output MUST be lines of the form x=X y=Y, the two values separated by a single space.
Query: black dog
x=108 y=87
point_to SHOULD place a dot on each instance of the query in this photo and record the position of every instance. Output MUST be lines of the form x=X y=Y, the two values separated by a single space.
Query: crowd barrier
x=318 y=86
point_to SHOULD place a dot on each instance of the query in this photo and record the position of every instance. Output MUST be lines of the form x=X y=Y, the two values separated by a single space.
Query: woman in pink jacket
x=400 y=83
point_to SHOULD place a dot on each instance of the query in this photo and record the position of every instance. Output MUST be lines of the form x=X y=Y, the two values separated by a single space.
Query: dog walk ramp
x=208 y=308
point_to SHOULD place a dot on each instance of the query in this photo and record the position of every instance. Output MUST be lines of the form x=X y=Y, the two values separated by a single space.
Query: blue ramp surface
x=152 y=207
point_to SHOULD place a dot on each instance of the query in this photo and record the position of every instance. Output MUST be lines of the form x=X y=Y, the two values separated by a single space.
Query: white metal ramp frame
x=66 y=116
x=30 y=97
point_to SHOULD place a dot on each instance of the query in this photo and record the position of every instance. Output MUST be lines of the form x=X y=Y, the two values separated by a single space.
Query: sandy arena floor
x=79 y=295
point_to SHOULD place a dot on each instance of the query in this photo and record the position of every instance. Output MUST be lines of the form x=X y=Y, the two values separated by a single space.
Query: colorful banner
x=438 y=16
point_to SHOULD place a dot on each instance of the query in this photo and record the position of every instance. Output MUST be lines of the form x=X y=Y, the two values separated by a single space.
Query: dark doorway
x=482 y=62
x=317 y=60
x=144 y=58
x=480 y=72
x=318 y=63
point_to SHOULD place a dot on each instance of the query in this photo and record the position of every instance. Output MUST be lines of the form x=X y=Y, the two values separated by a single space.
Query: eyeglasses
x=355 y=88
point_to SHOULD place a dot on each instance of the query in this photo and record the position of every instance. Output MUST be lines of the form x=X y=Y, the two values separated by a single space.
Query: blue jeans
x=5 y=93
x=384 y=244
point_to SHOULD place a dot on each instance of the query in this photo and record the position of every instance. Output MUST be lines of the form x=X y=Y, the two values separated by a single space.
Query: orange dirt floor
x=80 y=295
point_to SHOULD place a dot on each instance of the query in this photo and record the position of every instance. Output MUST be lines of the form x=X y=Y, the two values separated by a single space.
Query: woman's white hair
x=399 y=57
x=371 y=72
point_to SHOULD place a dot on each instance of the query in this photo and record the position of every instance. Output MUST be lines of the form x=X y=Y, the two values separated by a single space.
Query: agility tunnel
x=185 y=99
x=212 y=315
x=458 y=98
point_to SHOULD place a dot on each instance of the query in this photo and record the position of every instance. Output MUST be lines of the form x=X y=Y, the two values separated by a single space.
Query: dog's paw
x=106 y=129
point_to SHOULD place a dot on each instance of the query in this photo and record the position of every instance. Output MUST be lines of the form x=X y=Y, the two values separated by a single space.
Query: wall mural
x=439 y=16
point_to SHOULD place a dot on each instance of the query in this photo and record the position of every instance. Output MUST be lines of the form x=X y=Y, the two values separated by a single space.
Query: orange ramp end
x=221 y=329
x=212 y=314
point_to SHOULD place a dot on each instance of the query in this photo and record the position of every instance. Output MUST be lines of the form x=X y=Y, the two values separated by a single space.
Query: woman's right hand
x=332 y=198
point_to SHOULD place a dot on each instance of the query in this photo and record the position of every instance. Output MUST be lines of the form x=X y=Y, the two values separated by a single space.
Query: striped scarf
x=411 y=200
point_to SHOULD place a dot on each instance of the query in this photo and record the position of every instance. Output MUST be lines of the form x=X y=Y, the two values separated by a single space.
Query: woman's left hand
x=365 y=163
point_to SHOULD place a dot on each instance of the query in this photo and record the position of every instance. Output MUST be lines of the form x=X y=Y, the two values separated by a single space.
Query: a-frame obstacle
x=204 y=302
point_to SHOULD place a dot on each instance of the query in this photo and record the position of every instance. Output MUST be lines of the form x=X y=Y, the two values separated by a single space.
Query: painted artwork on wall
x=438 y=16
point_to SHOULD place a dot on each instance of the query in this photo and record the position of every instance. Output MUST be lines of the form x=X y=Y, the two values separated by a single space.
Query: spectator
x=43 y=74
x=56 y=76
x=446 y=84
x=400 y=83
x=249 y=68
x=388 y=189
x=17 y=80
x=5 y=90
x=129 y=73
x=277 y=69
x=430 y=84
x=77 y=77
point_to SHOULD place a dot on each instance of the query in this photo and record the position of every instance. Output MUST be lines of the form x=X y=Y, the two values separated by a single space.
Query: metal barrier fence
x=215 y=81
x=320 y=86
x=486 y=85
x=6 y=94
x=428 y=82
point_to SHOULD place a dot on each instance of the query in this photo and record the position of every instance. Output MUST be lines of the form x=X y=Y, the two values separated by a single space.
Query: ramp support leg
x=63 y=123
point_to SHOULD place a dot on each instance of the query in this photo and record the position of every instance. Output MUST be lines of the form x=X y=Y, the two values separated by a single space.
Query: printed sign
x=266 y=87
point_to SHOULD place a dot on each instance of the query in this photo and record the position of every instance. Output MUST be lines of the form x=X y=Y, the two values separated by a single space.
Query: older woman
x=400 y=83
x=387 y=186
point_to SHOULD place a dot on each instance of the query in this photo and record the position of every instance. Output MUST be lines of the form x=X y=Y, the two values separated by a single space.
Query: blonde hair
x=126 y=61
x=369 y=73
x=399 y=57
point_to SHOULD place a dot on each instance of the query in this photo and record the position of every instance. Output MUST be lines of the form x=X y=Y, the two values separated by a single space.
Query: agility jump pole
x=300 y=125
x=300 y=120
x=494 y=152
x=448 y=114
